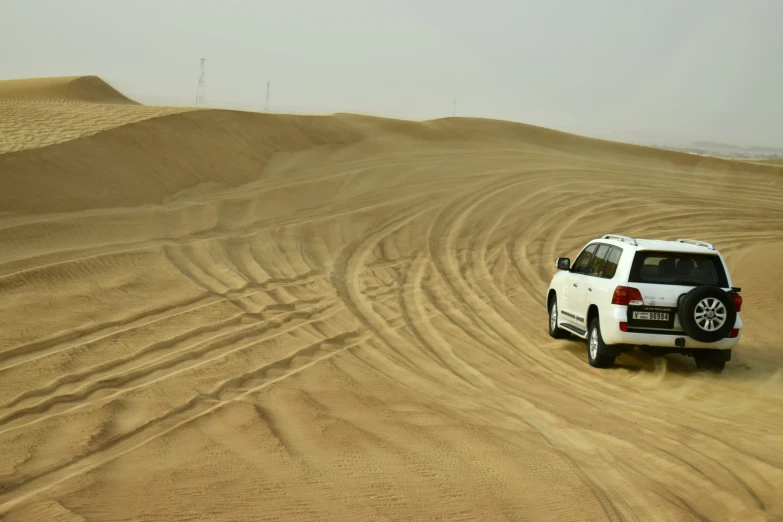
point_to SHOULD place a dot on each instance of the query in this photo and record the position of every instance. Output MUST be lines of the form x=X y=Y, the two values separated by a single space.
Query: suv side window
x=598 y=261
x=583 y=261
x=612 y=260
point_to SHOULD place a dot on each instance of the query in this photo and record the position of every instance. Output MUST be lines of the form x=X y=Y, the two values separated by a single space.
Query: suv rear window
x=677 y=268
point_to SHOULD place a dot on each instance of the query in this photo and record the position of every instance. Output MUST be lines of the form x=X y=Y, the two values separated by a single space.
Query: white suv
x=663 y=296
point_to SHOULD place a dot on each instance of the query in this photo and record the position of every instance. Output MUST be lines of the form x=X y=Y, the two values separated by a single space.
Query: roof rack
x=621 y=238
x=697 y=243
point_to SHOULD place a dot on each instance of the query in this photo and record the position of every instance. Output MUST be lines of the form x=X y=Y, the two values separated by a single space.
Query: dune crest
x=249 y=316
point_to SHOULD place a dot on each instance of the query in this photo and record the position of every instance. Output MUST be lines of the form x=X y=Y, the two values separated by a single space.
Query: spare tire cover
x=707 y=313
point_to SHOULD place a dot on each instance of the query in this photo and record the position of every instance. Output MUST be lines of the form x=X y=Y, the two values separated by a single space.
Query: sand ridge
x=220 y=315
x=774 y=161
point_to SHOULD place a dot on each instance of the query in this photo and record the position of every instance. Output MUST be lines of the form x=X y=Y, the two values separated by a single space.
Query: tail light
x=737 y=300
x=627 y=295
x=623 y=327
x=734 y=333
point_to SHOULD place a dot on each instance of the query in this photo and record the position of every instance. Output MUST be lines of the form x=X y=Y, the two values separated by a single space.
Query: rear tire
x=710 y=365
x=596 y=348
x=554 y=330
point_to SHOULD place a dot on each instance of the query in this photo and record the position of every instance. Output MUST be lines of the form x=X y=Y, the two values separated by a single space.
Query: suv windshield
x=678 y=268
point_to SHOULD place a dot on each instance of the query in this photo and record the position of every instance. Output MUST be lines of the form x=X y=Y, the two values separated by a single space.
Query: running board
x=578 y=331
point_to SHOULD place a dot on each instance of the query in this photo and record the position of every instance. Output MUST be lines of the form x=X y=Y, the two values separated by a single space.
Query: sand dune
x=63 y=89
x=218 y=315
x=45 y=111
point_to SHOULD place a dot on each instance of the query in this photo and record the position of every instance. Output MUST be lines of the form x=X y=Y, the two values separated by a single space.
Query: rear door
x=575 y=287
x=664 y=277
x=600 y=287
x=590 y=281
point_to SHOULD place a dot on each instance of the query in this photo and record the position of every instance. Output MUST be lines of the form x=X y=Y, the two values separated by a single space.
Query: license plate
x=651 y=316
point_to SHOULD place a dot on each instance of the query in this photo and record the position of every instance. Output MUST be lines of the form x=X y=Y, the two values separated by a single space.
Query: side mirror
x=563 y=263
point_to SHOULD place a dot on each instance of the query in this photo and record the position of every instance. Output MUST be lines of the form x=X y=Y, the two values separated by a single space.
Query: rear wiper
x=684 y=282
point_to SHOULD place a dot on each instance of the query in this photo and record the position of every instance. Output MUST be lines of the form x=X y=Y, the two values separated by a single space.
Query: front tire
x=554 y=330
x=596 y=348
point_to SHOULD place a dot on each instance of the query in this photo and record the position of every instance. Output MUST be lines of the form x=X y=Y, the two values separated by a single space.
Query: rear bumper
x=610 y=331
x=668 y=341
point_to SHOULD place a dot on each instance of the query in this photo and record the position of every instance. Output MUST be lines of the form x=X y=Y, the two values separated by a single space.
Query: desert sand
x=224 y=315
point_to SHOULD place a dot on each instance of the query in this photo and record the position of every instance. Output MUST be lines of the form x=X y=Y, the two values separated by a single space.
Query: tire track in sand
x=22 y=489
x=168 y=367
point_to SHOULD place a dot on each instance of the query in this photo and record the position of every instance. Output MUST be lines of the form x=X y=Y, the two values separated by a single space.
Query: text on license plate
x=651 y=316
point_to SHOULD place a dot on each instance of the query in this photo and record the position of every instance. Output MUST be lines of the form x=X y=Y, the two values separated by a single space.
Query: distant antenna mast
x=202 y=90
x=266 y=107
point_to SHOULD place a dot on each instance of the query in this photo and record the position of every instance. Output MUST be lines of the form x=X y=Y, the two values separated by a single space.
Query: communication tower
x=202 y=89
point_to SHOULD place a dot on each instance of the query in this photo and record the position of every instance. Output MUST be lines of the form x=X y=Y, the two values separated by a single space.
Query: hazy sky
x=698 y=69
